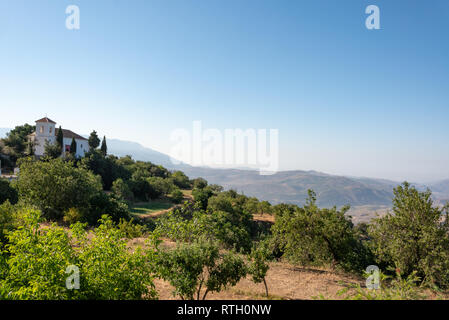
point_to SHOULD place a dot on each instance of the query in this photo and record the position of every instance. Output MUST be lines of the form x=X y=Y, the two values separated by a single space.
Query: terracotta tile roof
x=70 y=134
x=45 y=120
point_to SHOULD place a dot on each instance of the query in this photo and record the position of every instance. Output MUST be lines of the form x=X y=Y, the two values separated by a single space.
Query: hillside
x=292 y=186
x=365 y=195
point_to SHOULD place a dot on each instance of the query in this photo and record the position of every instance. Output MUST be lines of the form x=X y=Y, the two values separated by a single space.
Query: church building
x=46 y=131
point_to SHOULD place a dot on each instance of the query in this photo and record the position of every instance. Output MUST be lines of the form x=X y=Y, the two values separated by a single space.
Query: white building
x=46 y=131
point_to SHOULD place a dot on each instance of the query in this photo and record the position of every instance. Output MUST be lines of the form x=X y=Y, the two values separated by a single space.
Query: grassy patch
x=150 y=207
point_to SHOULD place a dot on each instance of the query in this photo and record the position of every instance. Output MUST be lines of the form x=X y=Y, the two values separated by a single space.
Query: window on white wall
x=41 y=129
x=50 y=129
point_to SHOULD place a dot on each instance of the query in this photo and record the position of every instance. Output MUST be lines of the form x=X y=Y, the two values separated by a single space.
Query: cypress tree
x=73 y=147
x=60 y=138
x=104 y=147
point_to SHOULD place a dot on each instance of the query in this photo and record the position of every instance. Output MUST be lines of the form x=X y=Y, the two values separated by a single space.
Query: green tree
x=55 y=186
x=104 y=147
x=52 y=150
x=36 y=262
x=313 y=236
x=121 y=190
x=414 y=236
x=177 y=196
x=60 y=138
x=196 y=269
x=199 y=183
x=17 y=142
x=73 y=147
x=7 y=192
x=259 y=258
x=93 y=140
x=181 y=180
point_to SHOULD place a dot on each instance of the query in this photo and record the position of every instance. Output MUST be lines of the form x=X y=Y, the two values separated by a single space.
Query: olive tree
x=414 y=236
x=198 y=268
x=55 y=186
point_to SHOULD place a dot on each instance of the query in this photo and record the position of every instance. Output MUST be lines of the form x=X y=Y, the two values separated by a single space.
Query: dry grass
x=285 y=282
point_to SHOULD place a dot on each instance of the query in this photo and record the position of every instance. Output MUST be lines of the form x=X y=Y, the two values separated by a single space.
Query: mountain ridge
x=285 y=186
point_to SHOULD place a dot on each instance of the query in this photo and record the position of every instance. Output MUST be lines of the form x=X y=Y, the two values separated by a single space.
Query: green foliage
x=93 y=141
x=36 y=261
x=414 y=237
x=184 y=224
x=191 y=268
x=9 y=220
x=202 y=195
x=314 y=236
x=224 y=221
x=259 y=257
x=60 y=138
x=396 y=288
x=109 y=271
x=101 y=204
x=176 y=196
x=131 y=229
x=199 y=183
x=73 y=147
x=52 y=150
x=54 y=186
x=7 y=192
x=121 y=190
x=108 y=168
x=181 y=180
x=17 y=143
x=104 y=147
x=72 y=216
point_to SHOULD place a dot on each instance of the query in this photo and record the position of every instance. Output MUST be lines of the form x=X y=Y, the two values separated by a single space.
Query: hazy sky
x=346 y=100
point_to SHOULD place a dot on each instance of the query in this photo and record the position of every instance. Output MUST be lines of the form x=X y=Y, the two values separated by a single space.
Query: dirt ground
x=284 y=281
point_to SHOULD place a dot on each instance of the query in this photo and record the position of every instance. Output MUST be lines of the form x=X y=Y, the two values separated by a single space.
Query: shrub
x=7 y=192
x=121 y=190
x=131 y=229
x=259 y=258
x=102 y=204
x=397 y=288
x=180 y=180
x=414 y=237
x=109 y=271
x=55 y=186
x=36 y=260
x=314 y=236
x=191 y=268
x=177 y=196
x=72 y=216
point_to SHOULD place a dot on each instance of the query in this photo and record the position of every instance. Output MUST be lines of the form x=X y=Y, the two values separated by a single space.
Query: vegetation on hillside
x=218 y=241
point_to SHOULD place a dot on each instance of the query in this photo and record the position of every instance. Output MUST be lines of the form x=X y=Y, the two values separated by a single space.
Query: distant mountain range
x=286 y=186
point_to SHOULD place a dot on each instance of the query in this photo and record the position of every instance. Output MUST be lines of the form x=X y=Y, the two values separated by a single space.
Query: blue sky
x=346 y=100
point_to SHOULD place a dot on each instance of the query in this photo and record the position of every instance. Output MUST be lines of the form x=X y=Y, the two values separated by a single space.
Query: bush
x=396 y=288
x=414 y=237
x=259 y=257
x=8 y=220
x=314 y=236
x=181 y=180
x=55 y=186
x=200 y=268
x=131 y=229
x=121 y=190
x=36 y=260
x=72 y=216
x=177 y=196
x=7 y=192
x=102 y=204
